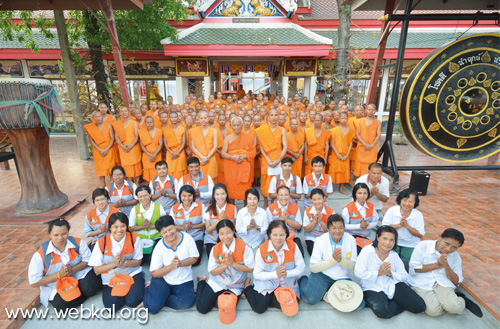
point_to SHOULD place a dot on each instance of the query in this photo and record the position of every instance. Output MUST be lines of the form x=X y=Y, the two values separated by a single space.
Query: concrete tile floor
x=466 y=200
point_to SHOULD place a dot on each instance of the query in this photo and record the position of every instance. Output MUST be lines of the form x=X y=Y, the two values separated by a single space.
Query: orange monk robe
x=238 y=176
x=284 y=107
x=294 y=145
x=205 y=144
x=130 y=161
x=110 y=119
x=103 y=164
x=232 y=107
x=220 y=102
x=301 y=107
x=151 y=145
x=340 y=170
x=271 y=142
x=178 y=167
x=252 y=170
x=287 y=127
x=155 y=116
x=315 y=146
x=368 y=134
x=354 y=150
x=220 y=161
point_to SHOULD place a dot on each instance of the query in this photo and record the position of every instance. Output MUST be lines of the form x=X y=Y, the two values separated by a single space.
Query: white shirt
x=125 y=185
x=362 y=212
x=324 y=246
x=383 y=188
x=87 y=229
x=367 y=266
x=306 y=221
x=253 y=238
x=163 y=255
x=248 y=261
x=416 y=220
x=288 y=183
x=306 y=188
x=146 y=213
x=186 y=216
x=97 y=257
x=260 y=274
x=425 y=253
x=283 y=208
x=36 y=267
x=203 y=195
x=161 y=184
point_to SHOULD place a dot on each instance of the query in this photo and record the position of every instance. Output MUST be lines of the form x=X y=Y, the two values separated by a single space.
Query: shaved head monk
x=238 y=153
x=203 y=142
x=101 y=136
x=127 y=137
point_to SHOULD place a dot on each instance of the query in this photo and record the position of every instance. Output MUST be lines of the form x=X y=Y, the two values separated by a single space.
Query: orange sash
x=292 y=143
x=266 y=138
x=311 y=136
x=196 y=134
x=120 y=130
x=96 y=135
x=169 y=134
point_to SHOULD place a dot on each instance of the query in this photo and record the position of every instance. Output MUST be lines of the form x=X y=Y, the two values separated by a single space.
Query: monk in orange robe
x=101 y=136
x=295 y=139
x=256 y=121
x=153 y=112
x=316 y=142
x=151 y=141
x=273 y=146
x=203 y=142
x=174 y=138
x=238 y=153
x=341 y=145
x=127 y=137
x=219 y=100
x=249 y=129
x=359 y=112
x=303 y=122
x=368 y=132
x=222 y=131
x=296 y=102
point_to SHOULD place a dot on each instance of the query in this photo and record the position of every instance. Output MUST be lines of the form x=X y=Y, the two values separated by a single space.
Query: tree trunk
x=344 y=34
x=69 y=73
x=95 y=52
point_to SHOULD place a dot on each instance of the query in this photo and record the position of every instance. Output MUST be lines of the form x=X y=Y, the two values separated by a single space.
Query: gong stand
x=386 y=151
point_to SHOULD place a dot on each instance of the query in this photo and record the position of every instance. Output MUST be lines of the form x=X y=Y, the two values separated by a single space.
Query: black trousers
x=259 y=302
x=310 y=246
x=89 y=286
x=206 y=298
x=132 y=299
x=404 y=299
x=199 y=246
x=299 y=244
x=208 y=248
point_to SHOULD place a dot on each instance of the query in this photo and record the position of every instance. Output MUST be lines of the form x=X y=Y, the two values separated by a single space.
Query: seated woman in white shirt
x=119 y=253
x=382 y=277
x=360 y=216
x=334 y=254
x=142 y=219
x=228 y=264
x=315 y=218
x=218 y=209
x=95 y=225
x=251 y=222
x=435 y=273
x=62 y=256
x=288 y=212
x=278 y=262
x=188 y=217
x=121 y=191
x=408 y=221
x=172 y=282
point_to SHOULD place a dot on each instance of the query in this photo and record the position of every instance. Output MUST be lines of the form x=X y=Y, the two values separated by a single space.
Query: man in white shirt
x=379 y=187
x=288 y=179
x=436 y=271
x=201 y=182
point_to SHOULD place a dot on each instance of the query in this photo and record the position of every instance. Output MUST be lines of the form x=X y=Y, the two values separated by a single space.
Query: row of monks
x=254 y=132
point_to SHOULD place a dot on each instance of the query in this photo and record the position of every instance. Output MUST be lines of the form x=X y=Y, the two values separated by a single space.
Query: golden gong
x=450 y=104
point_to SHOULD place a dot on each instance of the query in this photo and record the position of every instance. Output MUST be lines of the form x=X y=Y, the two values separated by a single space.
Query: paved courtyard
x=466 y=200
